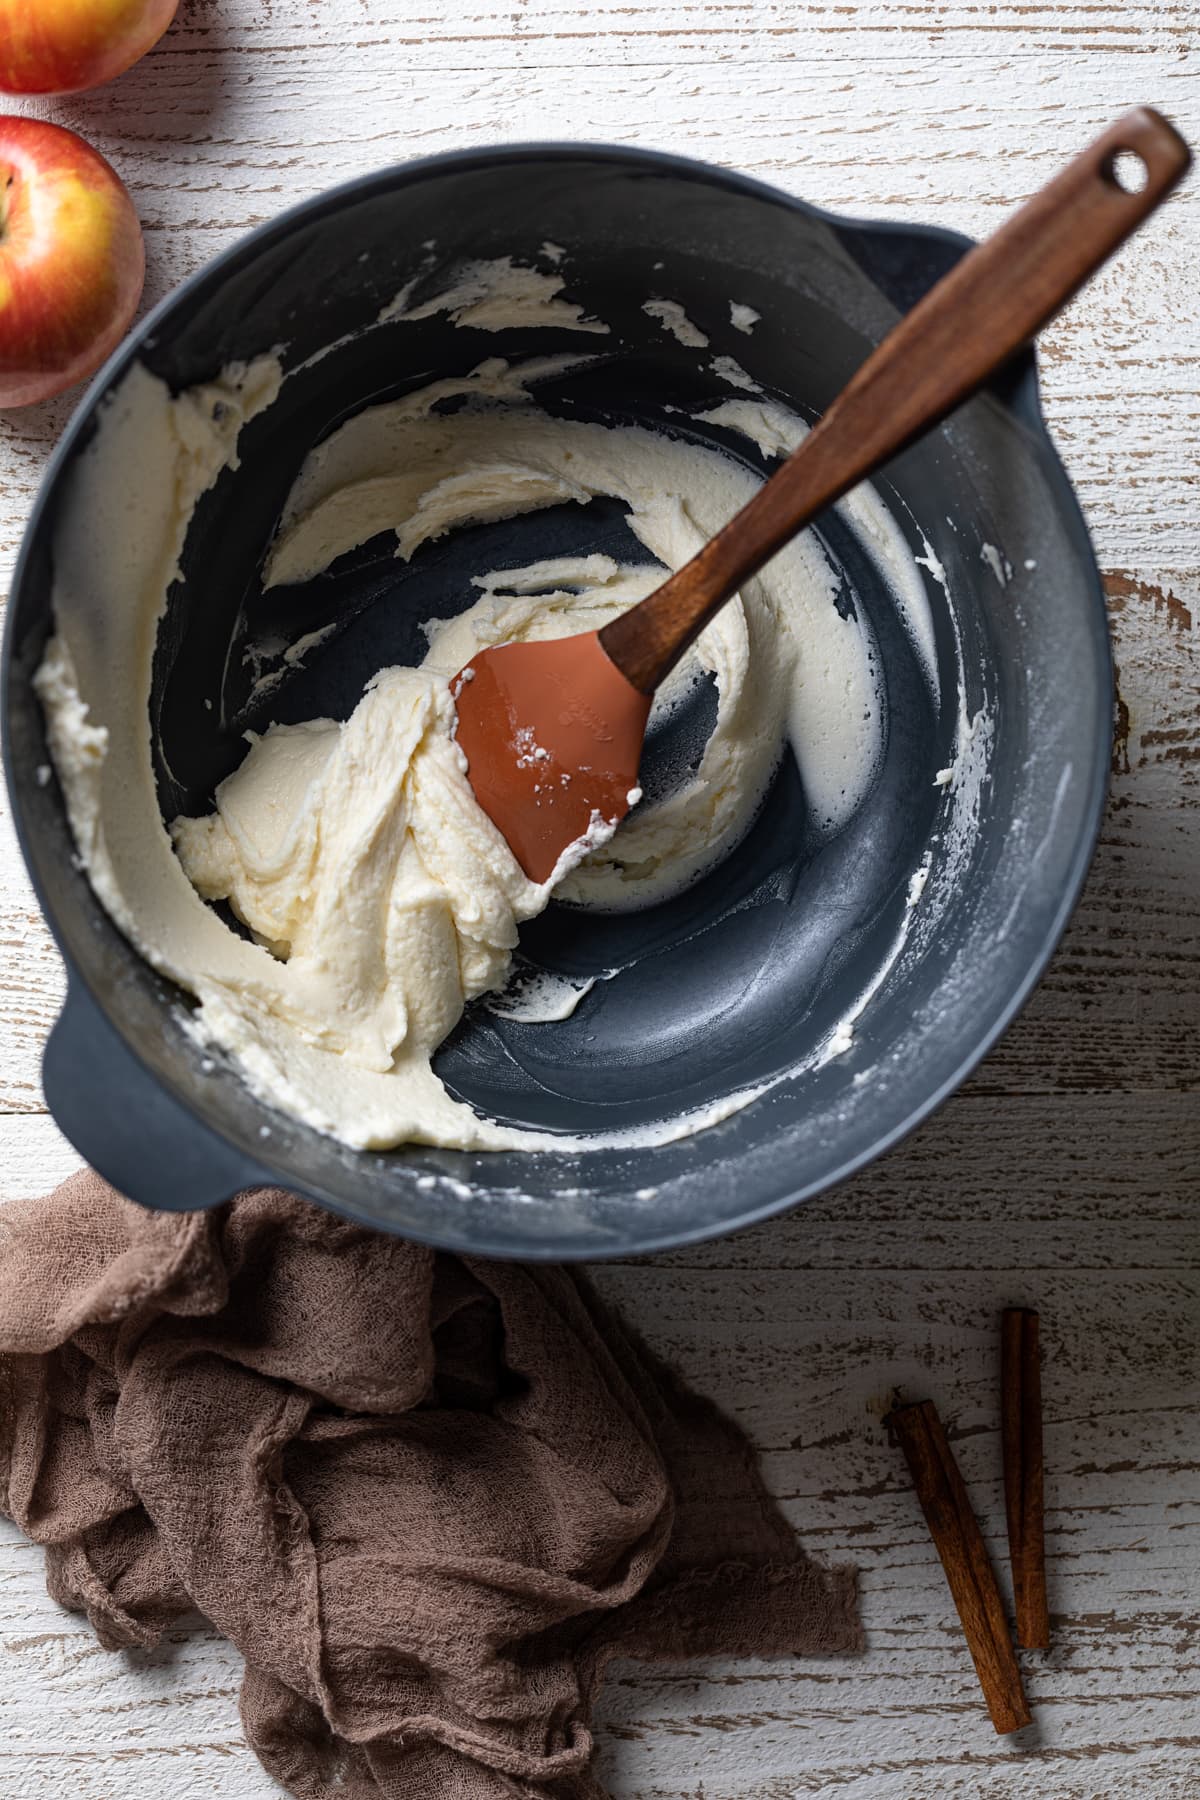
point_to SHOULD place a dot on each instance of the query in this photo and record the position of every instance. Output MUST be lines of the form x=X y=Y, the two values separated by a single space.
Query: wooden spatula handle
x=992 y=301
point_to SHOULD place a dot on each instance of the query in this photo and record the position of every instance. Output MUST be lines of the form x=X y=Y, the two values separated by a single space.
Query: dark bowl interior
x=735 y=981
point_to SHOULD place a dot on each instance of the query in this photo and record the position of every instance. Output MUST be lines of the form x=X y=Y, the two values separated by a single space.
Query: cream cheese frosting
x=379 y=898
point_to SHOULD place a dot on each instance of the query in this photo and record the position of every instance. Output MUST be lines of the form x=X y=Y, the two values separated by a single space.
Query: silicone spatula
x=553 y=731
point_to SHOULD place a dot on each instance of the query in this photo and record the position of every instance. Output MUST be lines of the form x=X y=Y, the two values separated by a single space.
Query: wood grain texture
x=1065 y=1176
x=1021 y=1439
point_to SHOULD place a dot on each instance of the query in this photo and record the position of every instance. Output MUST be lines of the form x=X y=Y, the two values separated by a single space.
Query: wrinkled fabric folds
x=427 y=1497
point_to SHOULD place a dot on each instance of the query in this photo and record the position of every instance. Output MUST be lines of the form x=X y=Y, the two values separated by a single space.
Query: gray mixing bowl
x=737 y=981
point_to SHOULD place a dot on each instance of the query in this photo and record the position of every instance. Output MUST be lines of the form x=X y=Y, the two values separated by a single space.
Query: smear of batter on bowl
x=379 y=898
x=493 y=295
x=731 y=372
x=672 y=318
x=997 y=562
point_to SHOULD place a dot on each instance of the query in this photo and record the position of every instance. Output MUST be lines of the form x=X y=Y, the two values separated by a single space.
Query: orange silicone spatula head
x=552 y=733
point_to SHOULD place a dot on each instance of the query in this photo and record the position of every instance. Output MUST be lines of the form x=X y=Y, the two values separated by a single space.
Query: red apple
x=72 y=260
x=61 y=46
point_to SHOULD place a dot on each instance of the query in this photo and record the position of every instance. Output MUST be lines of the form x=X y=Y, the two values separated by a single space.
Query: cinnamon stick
x=959 y=1543
x=1021 y=1415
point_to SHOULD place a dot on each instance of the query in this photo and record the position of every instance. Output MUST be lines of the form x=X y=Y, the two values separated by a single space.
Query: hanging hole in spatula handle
x=1129 y=171
x=1143 y=155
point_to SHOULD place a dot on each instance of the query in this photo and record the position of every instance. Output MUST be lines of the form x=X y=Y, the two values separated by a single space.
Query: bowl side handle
x=126 y=1126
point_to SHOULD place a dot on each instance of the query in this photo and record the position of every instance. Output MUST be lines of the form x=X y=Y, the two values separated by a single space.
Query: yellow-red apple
x=72 y=261
x=61 y=46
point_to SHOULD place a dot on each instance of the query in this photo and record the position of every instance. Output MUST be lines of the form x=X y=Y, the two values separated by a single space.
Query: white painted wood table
x=1065 y=1176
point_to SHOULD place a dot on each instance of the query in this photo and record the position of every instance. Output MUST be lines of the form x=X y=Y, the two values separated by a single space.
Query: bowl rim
x=1021 y=402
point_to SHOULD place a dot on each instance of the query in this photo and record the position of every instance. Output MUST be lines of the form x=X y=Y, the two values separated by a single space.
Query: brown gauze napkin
x=427 y=1497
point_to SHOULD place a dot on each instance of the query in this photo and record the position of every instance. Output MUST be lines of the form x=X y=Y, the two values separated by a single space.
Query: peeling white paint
x=1034 y=1188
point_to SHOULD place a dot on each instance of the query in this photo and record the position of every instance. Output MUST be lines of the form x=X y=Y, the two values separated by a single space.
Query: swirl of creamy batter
x=379 y=897
x=787 y=667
